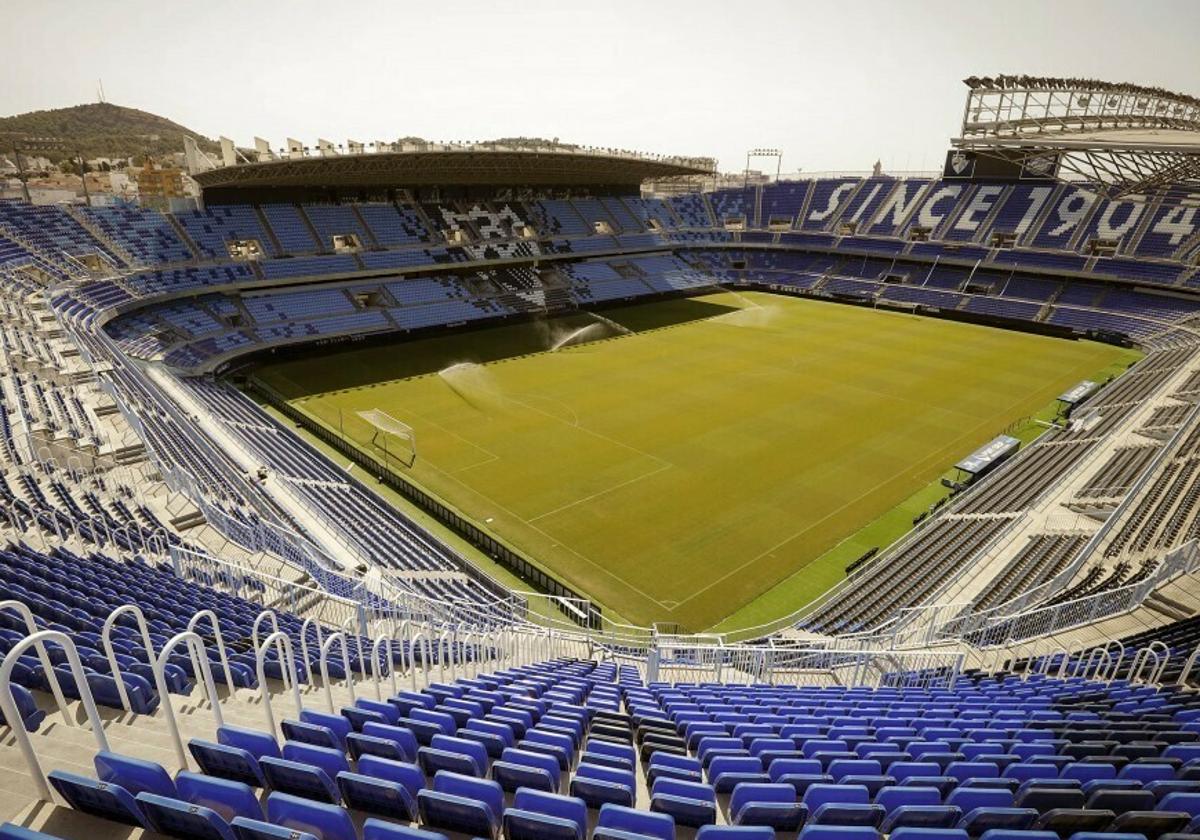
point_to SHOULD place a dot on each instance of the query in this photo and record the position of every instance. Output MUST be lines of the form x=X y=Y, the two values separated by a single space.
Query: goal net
x=393 y=438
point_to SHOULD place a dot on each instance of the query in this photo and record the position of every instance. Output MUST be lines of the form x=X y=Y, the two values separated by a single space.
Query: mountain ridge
x=96 y=130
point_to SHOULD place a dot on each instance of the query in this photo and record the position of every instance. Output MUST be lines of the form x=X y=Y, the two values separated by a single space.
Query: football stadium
x=415 y=490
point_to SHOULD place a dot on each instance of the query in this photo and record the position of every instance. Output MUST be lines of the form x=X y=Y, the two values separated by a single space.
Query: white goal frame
x=385 y=426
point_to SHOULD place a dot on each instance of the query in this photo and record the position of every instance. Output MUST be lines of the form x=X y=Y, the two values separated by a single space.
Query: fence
x=780 y=663
x=986 y=630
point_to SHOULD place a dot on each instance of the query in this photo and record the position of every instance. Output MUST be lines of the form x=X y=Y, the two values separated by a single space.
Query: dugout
x=985 y=459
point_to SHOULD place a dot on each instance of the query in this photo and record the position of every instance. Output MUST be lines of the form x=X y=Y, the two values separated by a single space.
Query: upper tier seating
x=290 y=229
x=213 y=228
x=50 y=228
x=145 y=234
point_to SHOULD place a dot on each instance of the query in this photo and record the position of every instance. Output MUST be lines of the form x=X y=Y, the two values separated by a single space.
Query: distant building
x=46 y=195
x=120 y=184
x=158 y=185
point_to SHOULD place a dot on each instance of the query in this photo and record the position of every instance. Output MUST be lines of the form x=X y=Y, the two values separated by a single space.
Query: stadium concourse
x=213 y=630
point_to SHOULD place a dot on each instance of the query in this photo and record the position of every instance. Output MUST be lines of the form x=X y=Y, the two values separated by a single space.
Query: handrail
x=445 y=648
x=1147 y=653
x=1156 y=674
x=216 y=626
x=304 y=645
x=326 y=645
x=43 y=657
x=1116 y=666
x=418 y=636
x=1135 y=665
x=1187 y=667
x=386 y=642
x=203 y=672
x=106 y=639
x=287 y=669
x=348 y=627
x=9 y=706
x=1097 y=663
x=473 y=653
x=401 y=628
x=258 y=619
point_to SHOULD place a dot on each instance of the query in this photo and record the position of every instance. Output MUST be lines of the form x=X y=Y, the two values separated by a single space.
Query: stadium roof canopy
x=441 y=165
x=1126 y=138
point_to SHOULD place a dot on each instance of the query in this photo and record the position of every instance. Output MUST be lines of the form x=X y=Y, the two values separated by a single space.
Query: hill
x=98 y=130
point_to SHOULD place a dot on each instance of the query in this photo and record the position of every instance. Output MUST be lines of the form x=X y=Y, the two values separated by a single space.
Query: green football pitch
x=692 y=457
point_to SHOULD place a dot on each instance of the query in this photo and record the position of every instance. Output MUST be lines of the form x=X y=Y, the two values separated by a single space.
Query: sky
x=834 y=85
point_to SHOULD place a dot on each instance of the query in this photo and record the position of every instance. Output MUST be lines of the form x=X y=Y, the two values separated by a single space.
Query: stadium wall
x=1034 y=327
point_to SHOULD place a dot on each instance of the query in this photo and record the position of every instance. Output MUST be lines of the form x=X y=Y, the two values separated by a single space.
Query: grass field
x=727 y=457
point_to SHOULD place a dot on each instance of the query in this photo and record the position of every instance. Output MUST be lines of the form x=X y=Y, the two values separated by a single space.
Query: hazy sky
x=835 y=85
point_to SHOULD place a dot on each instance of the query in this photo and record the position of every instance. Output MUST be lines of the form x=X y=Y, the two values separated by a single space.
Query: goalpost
x=403 y=440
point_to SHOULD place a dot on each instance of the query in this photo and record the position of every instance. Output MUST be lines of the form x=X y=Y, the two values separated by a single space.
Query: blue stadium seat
x=299 y=779
x=359 y=745
x=373 y=795
x=10 y=831
x=617 y=822
x=258 y=744
x=244 y=829
x=184 y=820
x=311 y=733
x=101 y=799
x=600 y=786
x=374 y=829
x=928 y=834
x=463 y=804
x=31 y=715
x=768 y=804
x=734 y=832
x=521 y=768
x=404 y=738
x=227 y=762
x=838 y=832
x=329 y=822
x=133 y=774
x=841 y=805
x=689 y=803
x=228 y=798
x=727 y=771
x=536 y=815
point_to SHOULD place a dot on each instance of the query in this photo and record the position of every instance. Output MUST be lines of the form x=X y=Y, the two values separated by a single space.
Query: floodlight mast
x=764 y=153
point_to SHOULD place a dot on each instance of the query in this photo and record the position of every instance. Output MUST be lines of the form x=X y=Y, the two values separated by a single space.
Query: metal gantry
x=1126 y=139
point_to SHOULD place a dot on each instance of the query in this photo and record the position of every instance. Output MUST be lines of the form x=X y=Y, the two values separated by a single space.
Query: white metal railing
x=1186 y=673
x=781 y=663
x=31 y=628
x=382 y=647
x=106 y=640
x=325 y=647
x=219 y=639
x=1156 y=655
x=9 y=706
x=267 y=590
x=199 y=655
x=983 y=630
x=282 y=644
